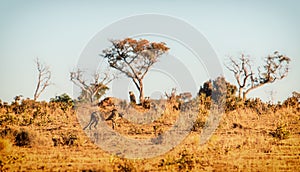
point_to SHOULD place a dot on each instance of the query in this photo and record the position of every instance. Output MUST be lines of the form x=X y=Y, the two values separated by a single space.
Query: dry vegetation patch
x=244 y=140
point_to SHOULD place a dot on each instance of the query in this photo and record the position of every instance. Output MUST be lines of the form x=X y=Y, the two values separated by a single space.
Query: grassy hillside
x=41 y=136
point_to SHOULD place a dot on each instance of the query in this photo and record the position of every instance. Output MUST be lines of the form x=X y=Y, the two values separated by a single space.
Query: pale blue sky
x=58 y=31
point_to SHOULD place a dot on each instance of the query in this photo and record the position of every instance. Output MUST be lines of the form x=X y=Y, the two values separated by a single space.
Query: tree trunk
x=250 y=89
x=240 y=92
x=36 y=95
x=244 y=95
x=141 y=91
x=91 y=98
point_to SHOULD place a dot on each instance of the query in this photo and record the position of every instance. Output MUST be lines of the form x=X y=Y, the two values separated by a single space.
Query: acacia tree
x=95 y=89
x=44 y=76
x=276 y=67
x=134 y=58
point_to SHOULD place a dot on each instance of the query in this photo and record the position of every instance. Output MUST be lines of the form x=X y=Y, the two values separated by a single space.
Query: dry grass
x=242 y=142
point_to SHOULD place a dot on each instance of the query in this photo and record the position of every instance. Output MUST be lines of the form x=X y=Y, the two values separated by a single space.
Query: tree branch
x=44 y=76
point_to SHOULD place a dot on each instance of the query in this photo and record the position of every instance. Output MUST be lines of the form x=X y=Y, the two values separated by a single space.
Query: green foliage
x=65 y=98
x=64 y=101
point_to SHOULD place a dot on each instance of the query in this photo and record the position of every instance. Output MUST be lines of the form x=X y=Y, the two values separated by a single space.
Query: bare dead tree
x=242 y=71
x=134 y=58
x=44 y=76
x=276 y=67
x=173 y=95
x=94 y=90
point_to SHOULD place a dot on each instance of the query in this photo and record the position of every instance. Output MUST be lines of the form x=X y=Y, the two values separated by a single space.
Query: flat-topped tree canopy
x=134 y=58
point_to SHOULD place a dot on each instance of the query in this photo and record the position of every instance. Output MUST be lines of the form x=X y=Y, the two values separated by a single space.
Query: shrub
x=67 y=139
x=8 y=118
x=205 y=101
x=221 y=93
x=257 y=105
x=198 y=124
x=70 y=140
x=281 y=132
x=125 y=166
x=185 y=162
x=64 y=101
x=22 y=138
x=291 y=102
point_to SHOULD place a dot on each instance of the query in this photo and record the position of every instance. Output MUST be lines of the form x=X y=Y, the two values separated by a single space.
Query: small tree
x=206 y=89
x=134 y=58
x=64 y=100
x=44 y=76
x=219 y=90
x=275 y=68
x=96 y=89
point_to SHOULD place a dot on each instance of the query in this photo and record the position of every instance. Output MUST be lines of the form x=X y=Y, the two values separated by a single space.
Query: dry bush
x=108 y=102
x=292 y=103
x=173 y=100
x=221 y=93
x=5 y=145
x=125 y=165
x=198 y=124
x=70 y=139
x=281 y=132
x=8 y=132
x=185 y=162
x=22 y=138
x=8 y=119
x=64 y=102
x=32 y=113
x=66 y=139
x=243 y=134
x=258 y=106
x=30 y=138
